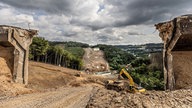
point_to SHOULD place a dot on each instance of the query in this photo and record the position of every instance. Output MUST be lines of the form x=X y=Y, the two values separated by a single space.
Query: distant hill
x=70 y=44
x=142 y=49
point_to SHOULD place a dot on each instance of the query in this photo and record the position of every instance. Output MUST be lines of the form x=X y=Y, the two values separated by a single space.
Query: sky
x=111 y=22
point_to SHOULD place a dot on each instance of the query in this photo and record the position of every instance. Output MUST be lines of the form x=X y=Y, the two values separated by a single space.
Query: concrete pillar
x=19 y=39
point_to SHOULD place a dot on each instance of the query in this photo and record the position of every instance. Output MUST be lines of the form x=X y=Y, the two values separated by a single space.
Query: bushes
x=115 y=56
x=76 y=51
x=139 y=61
x=148 y=77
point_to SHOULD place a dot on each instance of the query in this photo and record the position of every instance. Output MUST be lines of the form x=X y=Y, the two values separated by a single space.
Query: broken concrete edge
x=31 y=31
x=170 y=33
x=19 y=39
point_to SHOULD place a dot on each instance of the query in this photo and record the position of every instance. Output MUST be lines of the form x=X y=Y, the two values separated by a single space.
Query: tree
x=39 y=47
x=41 y=51
x=116 y=56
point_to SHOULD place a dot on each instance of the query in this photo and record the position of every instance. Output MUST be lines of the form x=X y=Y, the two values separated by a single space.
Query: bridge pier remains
x=177 y=53
x=14 y=48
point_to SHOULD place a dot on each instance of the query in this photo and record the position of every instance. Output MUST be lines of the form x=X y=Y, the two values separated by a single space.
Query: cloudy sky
x=93 y=21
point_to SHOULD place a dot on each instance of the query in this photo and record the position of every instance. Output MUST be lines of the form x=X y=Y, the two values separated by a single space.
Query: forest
x=66 y=54
x=70 y=54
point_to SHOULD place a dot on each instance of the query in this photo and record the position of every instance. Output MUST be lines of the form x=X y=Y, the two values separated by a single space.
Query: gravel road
x=73 y=97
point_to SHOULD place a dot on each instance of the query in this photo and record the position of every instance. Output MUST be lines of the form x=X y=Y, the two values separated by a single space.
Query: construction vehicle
x=127 y=85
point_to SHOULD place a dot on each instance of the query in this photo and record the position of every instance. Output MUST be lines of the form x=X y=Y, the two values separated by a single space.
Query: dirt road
x=72 y=97
x=94 y=60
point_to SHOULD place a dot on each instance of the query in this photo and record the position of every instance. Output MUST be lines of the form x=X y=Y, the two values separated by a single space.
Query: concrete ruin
x=177 y=54
x=14 y=48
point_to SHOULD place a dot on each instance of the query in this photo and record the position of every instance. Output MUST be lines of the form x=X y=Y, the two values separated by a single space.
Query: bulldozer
x=127 y=85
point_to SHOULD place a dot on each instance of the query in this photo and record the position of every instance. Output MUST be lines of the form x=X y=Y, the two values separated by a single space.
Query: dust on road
x=73 y=97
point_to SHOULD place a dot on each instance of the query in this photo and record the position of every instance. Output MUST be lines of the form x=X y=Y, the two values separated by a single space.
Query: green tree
x=38 y=47
x=115 y=56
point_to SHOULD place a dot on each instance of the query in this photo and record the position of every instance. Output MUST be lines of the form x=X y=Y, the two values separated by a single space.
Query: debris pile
x=103 y=98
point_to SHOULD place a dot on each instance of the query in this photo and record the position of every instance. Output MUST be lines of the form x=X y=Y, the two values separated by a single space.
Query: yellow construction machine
x=127 y=85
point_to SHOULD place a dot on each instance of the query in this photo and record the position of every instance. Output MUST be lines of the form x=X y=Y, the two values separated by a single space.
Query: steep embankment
x=94 y=60
x=42 y=77
x=45 y=76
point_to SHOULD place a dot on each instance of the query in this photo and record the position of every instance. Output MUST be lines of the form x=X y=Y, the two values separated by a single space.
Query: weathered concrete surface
x=182 y=66
x=177 y=36
x=156 y=60
x=14 y=46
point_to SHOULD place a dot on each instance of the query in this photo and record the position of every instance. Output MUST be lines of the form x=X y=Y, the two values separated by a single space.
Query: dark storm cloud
x=70 y=34
x=96 y=25
x=108 y=30
x=146 y=11
x=124 y=12
x=51 y=6
x=103 y=38
x=134 y=33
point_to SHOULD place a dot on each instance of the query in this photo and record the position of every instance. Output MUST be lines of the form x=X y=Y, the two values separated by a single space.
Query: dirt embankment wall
x=6 y=57
x=182 y=68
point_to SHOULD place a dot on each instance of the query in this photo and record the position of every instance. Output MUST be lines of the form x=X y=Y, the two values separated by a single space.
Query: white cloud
x=9 y=16
x=92 y=21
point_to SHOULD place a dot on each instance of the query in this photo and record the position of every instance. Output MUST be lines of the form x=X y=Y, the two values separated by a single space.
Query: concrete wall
x=182 y=67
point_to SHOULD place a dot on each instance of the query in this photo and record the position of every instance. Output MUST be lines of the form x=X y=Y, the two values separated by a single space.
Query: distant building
x=96 y=49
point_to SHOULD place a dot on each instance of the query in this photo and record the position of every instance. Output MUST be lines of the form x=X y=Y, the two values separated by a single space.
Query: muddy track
x=61 y=98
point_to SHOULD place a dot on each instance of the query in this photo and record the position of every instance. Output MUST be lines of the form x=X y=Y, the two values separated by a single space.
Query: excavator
x=127 y=85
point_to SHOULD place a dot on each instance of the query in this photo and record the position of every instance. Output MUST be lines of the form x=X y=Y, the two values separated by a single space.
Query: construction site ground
x=57 y=87
x=94 y=61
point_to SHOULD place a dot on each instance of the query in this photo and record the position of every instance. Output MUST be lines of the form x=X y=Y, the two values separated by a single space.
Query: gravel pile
x=103 y=98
